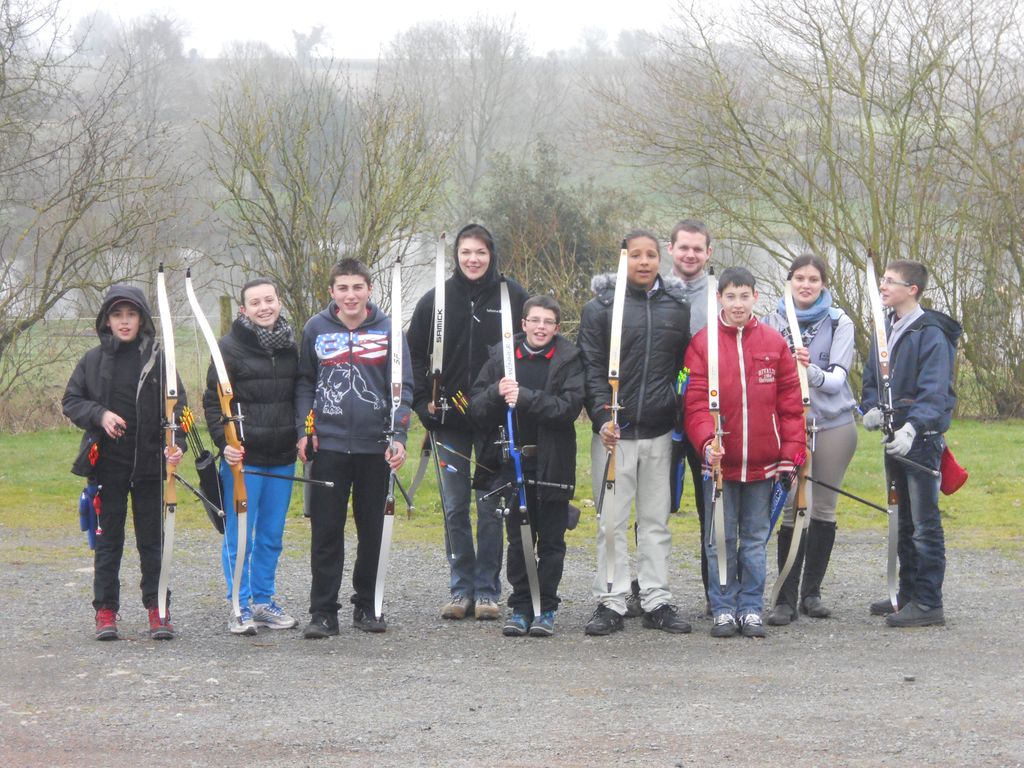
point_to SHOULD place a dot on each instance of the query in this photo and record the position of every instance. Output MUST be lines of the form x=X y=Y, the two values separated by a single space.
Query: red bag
x=953 y=475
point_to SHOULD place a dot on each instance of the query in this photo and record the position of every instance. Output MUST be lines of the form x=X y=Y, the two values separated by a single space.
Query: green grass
x=38 y=492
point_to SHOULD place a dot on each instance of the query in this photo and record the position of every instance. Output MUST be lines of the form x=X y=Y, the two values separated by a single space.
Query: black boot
x=821 y=536
x=784 y=611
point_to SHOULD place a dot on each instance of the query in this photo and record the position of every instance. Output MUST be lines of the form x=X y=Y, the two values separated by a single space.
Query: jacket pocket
x=88 y=454
x=764 y=369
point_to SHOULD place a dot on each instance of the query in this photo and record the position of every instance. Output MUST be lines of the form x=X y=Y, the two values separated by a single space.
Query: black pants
x=547 y=524
x=364 y=477
x=695 y=463
x=147 y=518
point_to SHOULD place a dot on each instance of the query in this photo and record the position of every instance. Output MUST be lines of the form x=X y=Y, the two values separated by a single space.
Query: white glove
x=873 y=419
x=901 y=441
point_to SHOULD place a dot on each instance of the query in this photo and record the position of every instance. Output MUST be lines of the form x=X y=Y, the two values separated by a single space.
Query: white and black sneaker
x=751 y=625
x=243 y=624
x=272 y=616
x=725 y=625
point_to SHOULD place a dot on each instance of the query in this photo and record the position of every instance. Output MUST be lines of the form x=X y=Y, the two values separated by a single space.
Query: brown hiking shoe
x=456 y=608
x=487 y=610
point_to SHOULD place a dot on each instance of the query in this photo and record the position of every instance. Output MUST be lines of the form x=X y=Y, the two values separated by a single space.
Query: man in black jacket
x=547 y=394
x=472 y=326
x=655 y=333
x=261 y=360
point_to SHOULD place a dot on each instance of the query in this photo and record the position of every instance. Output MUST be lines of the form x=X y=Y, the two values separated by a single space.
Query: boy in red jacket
x=762 y=417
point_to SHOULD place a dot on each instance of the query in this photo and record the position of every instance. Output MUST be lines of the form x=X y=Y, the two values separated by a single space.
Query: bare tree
x=476 y=78
x=837 y=125
x=313 y=167
x=555 y=234
x=81 y=183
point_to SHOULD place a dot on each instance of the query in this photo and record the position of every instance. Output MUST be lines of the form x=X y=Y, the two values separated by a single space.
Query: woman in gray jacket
x=827 y=354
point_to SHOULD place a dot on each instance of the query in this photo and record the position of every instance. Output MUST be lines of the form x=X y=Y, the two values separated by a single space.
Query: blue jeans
x=922 y=543
x=747 y=508
x=474 y=574
x=268 y=506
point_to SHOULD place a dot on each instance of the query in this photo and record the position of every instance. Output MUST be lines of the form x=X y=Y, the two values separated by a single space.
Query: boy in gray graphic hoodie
x=345 y=380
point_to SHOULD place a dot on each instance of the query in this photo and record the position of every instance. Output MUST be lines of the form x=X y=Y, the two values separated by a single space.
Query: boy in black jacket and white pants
x=547 y=395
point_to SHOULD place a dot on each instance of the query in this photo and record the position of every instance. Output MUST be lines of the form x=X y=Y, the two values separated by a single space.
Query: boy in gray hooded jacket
x=345 y=380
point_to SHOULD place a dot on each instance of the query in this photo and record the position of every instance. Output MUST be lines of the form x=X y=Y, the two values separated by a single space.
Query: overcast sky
x=359 y=29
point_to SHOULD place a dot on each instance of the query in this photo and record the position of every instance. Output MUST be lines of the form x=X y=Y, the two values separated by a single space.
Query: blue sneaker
x=543 y=625
x=516 y=625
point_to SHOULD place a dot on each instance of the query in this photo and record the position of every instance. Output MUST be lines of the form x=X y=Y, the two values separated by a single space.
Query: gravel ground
x=843 y=691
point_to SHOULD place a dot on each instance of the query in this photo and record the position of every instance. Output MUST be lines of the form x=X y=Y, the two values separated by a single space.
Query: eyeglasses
x=542 y=321
x=890 y=281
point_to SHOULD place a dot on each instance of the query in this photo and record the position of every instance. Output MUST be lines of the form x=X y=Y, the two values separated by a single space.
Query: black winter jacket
x=555 y=410
x=655 y=334
x=88 y=393
x=472 y=325
x=264 y=387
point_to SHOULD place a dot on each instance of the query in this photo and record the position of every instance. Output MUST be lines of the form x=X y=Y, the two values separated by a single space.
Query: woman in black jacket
x=261 y=360
x=472 y=326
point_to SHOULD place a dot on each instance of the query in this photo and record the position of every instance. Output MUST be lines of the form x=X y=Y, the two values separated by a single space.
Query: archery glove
x=901 y=441
x=873 y=419
x=815 y=376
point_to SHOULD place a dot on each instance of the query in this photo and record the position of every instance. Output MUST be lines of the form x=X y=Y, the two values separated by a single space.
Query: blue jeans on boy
x=747 y=508
x=922 y=543
x=474 y=574
x=269 y=498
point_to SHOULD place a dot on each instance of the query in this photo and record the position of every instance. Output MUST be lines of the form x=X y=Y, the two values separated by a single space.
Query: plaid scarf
x=280 y=336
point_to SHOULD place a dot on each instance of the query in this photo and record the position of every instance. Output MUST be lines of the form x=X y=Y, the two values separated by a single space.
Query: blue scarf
x=813 y=313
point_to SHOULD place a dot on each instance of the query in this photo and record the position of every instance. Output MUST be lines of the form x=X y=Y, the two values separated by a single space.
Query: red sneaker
x=106 y=624
x=160 y=630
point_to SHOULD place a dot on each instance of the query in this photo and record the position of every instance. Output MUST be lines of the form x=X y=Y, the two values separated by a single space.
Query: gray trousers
x=833 y=451
x=641 y=475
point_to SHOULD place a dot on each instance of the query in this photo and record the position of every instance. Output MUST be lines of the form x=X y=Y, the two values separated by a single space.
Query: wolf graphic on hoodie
x=335 y=351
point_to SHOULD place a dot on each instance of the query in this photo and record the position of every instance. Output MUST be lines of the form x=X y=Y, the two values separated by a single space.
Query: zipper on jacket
x=146 y=368
x=469 y=347
x=351 y=388
x=647 y=357
x=743 y=401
